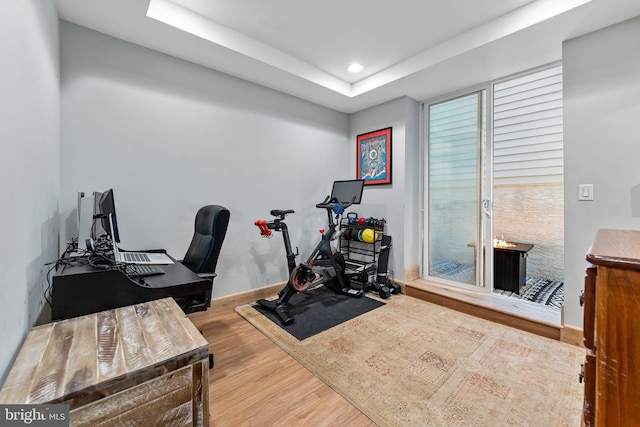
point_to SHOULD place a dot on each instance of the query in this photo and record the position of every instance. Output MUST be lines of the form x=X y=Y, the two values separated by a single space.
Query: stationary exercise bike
x=324 y=266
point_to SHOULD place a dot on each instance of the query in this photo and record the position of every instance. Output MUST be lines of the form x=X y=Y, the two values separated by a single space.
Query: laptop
x=138 y=257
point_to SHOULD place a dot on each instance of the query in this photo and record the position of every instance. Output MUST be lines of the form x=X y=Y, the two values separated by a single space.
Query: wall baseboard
x=411 y=273
x=229 y=302
x=572 y=335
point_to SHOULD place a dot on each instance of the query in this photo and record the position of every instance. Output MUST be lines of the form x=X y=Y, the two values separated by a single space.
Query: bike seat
x=280 y=213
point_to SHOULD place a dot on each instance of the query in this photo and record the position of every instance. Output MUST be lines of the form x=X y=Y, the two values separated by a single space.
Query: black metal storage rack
x=361 y=257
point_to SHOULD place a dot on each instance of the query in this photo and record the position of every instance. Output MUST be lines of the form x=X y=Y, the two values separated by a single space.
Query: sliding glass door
x=493 y=175
x=455 y=201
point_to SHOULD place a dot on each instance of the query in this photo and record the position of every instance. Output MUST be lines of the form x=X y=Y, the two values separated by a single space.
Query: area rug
x=541 y=291
x=413 y=363
x=455 y=271
x=319 y=309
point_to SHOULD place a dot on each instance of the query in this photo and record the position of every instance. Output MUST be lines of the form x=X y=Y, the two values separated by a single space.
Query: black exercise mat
x=320 y=309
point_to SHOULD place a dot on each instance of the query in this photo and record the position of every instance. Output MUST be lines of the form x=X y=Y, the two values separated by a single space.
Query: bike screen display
x=345 y=191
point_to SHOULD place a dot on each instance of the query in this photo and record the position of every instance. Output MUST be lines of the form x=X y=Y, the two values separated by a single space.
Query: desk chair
x=202 y=256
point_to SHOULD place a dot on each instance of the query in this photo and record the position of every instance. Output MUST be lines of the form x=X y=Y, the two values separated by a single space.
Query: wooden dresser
x=143 y=365
x=612 y=330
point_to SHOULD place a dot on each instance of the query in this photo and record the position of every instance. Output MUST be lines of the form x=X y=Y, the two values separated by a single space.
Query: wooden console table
x=144 y=365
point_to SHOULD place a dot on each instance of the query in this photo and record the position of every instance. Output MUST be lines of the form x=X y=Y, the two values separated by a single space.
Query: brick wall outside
x=533 y=214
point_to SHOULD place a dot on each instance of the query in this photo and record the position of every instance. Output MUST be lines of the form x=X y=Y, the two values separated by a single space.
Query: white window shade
x=453 y=143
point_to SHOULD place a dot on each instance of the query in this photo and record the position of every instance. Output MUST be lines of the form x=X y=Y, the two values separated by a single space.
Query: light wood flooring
x=255 y=383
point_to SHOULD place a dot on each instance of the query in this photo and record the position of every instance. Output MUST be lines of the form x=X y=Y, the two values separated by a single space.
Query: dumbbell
x=383 y=291
x=377 y=222
x=395 y=288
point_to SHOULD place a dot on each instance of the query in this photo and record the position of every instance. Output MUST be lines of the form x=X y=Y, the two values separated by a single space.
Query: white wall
x=29 y=165
x=170 y=136
x=396 y=202
x=601 y=143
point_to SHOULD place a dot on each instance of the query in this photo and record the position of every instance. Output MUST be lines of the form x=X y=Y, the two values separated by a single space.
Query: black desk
x=81 y=289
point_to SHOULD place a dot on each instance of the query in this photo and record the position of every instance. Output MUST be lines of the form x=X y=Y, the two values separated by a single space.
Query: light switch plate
x=585 y=192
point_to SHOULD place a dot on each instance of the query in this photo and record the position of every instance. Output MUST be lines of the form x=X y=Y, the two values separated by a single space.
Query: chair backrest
x=210 y=229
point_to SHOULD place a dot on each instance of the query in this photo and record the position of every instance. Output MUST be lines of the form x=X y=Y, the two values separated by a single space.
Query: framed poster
x=373 y=160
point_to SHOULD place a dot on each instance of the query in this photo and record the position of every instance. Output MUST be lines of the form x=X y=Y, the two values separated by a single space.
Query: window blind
x=453 y=143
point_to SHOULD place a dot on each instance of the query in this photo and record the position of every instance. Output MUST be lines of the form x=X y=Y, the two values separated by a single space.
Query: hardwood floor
x=255 y=383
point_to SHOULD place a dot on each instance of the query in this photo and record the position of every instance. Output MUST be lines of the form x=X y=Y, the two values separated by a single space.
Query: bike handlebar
x=264 y=228
x=329 y=203
x=277 y=224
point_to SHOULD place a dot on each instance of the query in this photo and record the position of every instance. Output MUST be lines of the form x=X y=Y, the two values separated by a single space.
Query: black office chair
x=202 y=256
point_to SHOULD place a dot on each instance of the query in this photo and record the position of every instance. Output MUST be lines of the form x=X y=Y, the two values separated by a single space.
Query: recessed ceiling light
x=355 y=67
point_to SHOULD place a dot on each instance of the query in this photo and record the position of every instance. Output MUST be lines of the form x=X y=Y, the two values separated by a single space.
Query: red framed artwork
x=373 y=160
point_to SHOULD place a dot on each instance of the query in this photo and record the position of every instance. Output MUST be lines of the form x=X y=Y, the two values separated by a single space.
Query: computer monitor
x=107 y=207
x=96 y=226
x=86 y=210
x=348 y=191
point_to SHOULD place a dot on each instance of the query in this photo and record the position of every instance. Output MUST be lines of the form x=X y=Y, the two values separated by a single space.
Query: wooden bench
x=144 y=364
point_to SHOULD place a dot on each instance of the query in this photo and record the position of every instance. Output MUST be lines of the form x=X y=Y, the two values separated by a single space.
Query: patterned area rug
x=541 y=291
x=413 y=363
x=455 y=271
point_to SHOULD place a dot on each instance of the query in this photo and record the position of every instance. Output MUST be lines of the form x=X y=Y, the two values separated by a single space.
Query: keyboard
x=135 y=257
x=142 y=270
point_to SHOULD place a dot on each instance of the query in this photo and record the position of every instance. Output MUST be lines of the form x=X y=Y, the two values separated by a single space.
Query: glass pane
x=528 y=189
x=453 y=184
